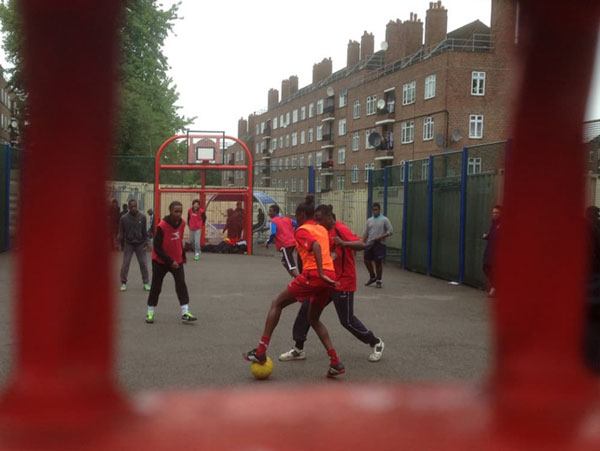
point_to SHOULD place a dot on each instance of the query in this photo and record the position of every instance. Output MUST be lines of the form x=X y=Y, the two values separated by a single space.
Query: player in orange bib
x=316 y=282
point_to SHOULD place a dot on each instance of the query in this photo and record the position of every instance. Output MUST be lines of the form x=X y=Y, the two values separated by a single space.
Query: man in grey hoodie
x=133 y=236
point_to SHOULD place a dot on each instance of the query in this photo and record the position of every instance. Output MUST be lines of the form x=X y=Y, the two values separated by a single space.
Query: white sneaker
x=377 y=352
x=293 y=354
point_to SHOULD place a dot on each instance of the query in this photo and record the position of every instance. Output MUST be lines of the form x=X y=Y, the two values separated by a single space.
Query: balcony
x=384 y=155
x=326 y=168
x=266 y=172
x=327 y=141
x=266 y=134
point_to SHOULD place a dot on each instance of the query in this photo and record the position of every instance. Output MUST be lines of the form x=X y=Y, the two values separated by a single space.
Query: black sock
x=372 y=276
x=374 y=342
x=299 y=345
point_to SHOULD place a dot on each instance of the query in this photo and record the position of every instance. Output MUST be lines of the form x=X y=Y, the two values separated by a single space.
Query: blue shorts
x=375 y=251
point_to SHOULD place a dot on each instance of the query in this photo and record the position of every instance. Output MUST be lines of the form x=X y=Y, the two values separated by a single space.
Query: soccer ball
x=262 y=371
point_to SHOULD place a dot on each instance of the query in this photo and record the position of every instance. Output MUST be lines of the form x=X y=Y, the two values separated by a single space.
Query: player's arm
x=316 y=250
x=203 y=218
x=388 y=230
x=273 y=233
x=346 y=238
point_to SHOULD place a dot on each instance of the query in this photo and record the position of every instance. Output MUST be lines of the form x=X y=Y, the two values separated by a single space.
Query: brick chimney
x=293 y=84
x=413 y=35
x=273 y=98
x=393 y=37
x=367 y=45
x=252 y=125
x=436 y=24
x=316 y=70
x=504 y=26
x=285 y=90
x=353 y=53
x=322 y=70
x=242 y=129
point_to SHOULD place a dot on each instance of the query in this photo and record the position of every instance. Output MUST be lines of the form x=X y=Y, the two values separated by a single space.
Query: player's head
x=273 y=211
x=324 y=216
x=238 y=204
x=150 y=212
x=496 y=212
x=196 y=204
x=133 y=207
x=175 y=210
x=115 y=203
x=376 y=209
x=124 y=207
x=332 y=213
x=305 y=210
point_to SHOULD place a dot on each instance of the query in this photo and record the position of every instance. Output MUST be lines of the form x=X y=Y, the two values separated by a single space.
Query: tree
x=147 y=114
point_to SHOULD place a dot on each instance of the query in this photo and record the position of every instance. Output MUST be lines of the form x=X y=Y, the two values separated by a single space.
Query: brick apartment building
x=6 y=112
x=419 y=97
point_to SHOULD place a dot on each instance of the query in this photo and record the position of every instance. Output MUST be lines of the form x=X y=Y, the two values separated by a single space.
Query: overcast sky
x=226 y=55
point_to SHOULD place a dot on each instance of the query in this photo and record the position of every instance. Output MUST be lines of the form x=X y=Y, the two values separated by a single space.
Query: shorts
x=309 y=285
x=287 y=257
x=375 y=251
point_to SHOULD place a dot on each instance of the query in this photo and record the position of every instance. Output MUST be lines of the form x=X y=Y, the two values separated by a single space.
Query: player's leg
x=140 y=254
x=299 y=333
x=314 y=318
x=368 y=259
x=379 y=251
x=182 y=293
x=158 y=274
x=128 y=251
x=287 y=260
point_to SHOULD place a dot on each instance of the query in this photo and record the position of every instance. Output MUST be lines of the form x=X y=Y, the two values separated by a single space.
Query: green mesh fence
x=416 y=220
x=10 y=177
x=445 y=219
x=395 y=212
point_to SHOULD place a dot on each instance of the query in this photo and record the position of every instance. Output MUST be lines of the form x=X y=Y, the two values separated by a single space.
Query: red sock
x=263 y=345
x=333 y=357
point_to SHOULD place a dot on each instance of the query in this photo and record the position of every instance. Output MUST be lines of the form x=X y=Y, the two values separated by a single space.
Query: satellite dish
x=330 y=91
x=384 y=46
x=381 y=104
x=456 y=135
x=375 y=139
x=439 y=140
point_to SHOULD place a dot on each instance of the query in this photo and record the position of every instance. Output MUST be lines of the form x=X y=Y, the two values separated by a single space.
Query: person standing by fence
x=133 y=236
x=196 y=220
x=377 y=230
x=488 y=254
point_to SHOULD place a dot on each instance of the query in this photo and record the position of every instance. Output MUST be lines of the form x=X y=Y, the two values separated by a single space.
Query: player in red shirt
x=344 y=244
x=196 y=220
x=168 y=256
x=316 y=283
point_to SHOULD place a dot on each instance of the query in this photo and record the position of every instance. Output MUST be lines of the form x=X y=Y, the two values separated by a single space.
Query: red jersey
x=195 y=219
x=172 y=242
x=285 y=232
x=306 y=235
x=345 y=267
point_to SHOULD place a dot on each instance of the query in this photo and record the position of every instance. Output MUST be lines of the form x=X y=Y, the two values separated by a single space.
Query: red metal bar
x=197 y=167
x=205 y=190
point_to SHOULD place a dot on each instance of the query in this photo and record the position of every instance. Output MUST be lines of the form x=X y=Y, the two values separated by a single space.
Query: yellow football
x=262 y=371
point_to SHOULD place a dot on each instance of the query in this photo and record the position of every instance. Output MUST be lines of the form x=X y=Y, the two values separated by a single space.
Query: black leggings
x=344 y=306
x=159 y=271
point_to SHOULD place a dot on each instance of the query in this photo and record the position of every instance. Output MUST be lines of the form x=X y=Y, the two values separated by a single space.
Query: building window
x=367 y=134
x=318 y=184
x=371 y=105
x=287 y=163
x=319 y=133
x=320 y=106
x=477 y=83
x=295 y=116
x=474 y=165
x=287 y=118
x=340 y=182
x=301 y=185
x=262 y=127
x=430 y=86
x=342 y=155
x=301 y=161
x=302 y=137
x=341 y=127
x=303 y=113
x=343 y=98
x=281 y=142
x=256 y=149
x=310 y=135
x=281 y=121
x=294 y=161
x=274 y=144
x=428 y=128
x=408 y=93
x=275 y=123
x=476 y=126
x=287 y=185
x=293 y=185
x=402 y=169
x=279 y=183
x=287 y=140
x=355 y=141
x=354 y=173
x=294 y=139
x=390 y=101
x=257 y=129
x=356 y=109
x=410 y=172
x=408 y=132
x=425 y=170
x=319 y=159
x=311 y=110
x=281 y=164
x=368 y=168
x=309 y=161
x=273 y=164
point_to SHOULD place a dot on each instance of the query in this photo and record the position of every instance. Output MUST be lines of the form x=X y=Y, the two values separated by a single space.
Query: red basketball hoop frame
x=203 y=190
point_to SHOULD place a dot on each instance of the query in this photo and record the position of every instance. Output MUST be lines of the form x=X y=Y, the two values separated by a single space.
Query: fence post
x=385 y=190
x=311 y=179
x=463 y=213
x=7 y=224
x=429 y=212
x=370 y=192
x=404 y=214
